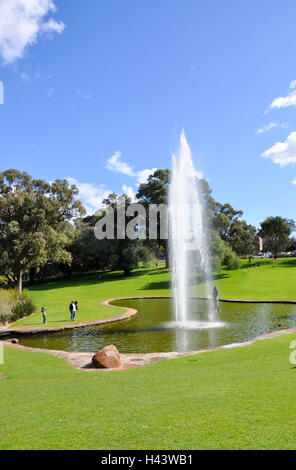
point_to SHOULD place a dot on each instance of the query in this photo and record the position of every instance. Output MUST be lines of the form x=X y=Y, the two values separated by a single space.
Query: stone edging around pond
x=22 y=331
x=82 y=360
x=129 y=312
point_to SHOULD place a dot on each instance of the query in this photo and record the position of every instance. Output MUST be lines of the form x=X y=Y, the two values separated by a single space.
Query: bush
x=230 y=258
x=224 y=255
x=14 y=305
x=23 y=305
x=5 y=306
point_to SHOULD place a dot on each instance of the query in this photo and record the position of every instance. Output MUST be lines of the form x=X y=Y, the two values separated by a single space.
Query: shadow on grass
x=217 y=277
x=198 y=280
x=278 y=263
x=158 y=271
x=88 y=279
x=158 y=285
x=286 y=262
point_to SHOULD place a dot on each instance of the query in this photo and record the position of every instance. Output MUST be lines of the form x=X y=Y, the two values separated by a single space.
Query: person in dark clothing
x=72 y=308
x=43 y=311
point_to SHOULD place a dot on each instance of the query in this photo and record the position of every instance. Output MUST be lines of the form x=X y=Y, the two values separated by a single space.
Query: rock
x=13 y=341
x=107 y=358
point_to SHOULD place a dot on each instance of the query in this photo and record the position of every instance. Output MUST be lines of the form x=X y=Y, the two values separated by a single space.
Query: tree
x=155 y=191
x=87 y=252
x=292 y=244
x=33 y=222
x=241 y=236
x=124 y=254
x=275 y=232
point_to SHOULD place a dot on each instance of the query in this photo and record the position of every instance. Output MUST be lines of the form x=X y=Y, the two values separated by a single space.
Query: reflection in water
x=153 y=328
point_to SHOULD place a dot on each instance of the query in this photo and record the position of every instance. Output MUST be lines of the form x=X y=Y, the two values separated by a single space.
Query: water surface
x=153 y=328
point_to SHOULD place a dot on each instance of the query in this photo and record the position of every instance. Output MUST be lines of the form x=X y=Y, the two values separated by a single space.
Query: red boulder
x=107 y=358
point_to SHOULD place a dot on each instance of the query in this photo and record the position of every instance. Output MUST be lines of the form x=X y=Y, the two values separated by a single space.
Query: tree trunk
x=167 y=261
x=20 y=281
x=167 y=255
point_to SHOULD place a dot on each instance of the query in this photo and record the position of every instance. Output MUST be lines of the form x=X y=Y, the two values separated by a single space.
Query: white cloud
x=292 y=84
x=283 y=153
x=284 y=101
x=143 y=175
x=91 y=195
x=114 y=163
x=270 y=126
x=34 y=77
x=128 y=190
x=22 y=22
x=294 y=181
x=52 y=26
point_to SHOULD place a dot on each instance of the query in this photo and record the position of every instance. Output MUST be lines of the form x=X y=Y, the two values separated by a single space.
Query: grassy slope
x=89 y=291
x=232 y=399
x=274 y=280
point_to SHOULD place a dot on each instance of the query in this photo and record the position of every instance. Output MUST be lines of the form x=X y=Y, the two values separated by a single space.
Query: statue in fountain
x=216 y=298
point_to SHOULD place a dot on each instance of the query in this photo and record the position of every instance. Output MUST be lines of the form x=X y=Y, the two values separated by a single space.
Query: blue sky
x=99 y=91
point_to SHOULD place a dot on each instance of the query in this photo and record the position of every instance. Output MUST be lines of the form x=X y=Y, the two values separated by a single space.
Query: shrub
x=22 y=306
x=5 y=306
x=231 y=260
x=14 y=305
x=224 y=255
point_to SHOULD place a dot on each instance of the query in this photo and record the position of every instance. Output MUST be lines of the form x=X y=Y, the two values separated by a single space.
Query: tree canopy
x=33 y=222
x=275 y=232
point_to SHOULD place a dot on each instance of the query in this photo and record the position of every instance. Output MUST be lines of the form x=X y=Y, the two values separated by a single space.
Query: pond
x=152 y=329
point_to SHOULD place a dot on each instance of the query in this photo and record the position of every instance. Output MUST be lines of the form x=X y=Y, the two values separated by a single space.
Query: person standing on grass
x=72 y=309
x=43 y=311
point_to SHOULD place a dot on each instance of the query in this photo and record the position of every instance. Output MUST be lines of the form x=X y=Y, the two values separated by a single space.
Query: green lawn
x=89 y=291
x=234 y=399
x=272 y=280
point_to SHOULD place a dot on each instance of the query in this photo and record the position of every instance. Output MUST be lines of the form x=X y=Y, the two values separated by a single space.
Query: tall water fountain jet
x=188 y=235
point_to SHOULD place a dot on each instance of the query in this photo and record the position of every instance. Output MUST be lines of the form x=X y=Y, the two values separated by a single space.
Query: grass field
x=233 y=399
x=272 y=280
x=242 y=398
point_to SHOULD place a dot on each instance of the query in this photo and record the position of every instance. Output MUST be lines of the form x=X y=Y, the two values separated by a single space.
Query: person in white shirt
x=72 y=309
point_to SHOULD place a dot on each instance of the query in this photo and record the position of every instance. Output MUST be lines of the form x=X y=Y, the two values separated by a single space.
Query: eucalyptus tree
x=156 y=191
x=275 y=232
x=34 y=228
x=121 y=232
